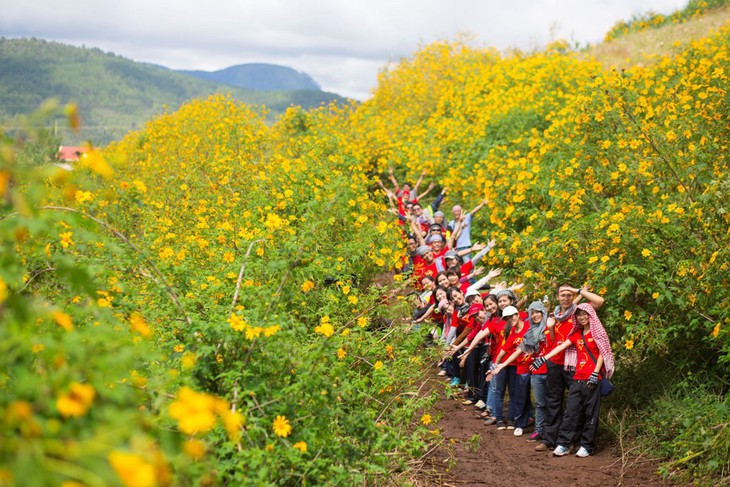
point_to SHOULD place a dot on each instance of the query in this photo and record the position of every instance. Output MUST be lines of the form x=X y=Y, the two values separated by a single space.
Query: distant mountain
x=259 y=77
x=114 y=94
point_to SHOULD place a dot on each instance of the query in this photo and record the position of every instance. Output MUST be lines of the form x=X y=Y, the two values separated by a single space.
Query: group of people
x=493 y=347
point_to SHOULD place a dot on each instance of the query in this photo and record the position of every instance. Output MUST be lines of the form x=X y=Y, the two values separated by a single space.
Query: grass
x=642 y=48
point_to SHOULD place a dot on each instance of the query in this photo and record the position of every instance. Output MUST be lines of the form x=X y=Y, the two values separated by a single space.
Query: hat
x=423 y=249
x=471 y=292
x=434 y=238
x=474 y=309
x=443 y=304
x=509 y=311
x=451 y=254
x=436 y=225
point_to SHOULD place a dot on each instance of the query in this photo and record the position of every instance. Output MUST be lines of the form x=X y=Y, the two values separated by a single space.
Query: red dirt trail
x=498 y=458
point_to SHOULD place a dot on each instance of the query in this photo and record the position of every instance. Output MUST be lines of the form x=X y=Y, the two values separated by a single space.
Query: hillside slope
x=640 y=48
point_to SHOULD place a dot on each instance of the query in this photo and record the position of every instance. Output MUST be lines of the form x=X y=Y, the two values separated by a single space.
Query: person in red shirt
x=513 y=330
x=425 y=265
x=588 y=350
x=518 y=376
x=527 y=348
x=559 y=378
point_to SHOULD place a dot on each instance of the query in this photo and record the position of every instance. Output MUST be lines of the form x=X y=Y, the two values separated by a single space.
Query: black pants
x=484 y=361
x=558 y=381
x=471 y=368
x=584 y=403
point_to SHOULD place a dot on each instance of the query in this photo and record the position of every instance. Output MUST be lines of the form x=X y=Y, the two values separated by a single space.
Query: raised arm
x=393 y=180
x=437 y=202
x=479 y=206
x=428 y=190
x=593 y=298
x=418 y=183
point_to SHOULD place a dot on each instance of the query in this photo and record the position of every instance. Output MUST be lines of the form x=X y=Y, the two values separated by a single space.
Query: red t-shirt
x=562 y=330
x=496 y=327
x=422 y=268
x=585 y=366
x=510 y=345
x=440 y=254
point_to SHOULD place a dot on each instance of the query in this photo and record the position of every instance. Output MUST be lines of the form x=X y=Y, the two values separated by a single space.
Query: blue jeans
x=538 y=383
x=505 y=377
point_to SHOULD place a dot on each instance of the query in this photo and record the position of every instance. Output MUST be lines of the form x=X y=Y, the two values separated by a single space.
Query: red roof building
x=70 y=154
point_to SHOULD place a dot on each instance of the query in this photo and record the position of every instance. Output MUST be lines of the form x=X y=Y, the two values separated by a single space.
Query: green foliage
x=690 y=426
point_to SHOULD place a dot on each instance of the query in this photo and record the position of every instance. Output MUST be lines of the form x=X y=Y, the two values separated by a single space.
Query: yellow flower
x=426 y=419
x=362 y=321
x=301 y=446
x=281 y=426
x=66 y=239
x=96 y=162
x=179 y=348
x=655 y=295
x=629 y=344
x=132 y=469
x=195 y=449
x=37 y=348
x=195 y=412
x=628 y=314
x=325 y=328
x=228 y=257
x=341 y=353
x=63 y=320
x=77 y=401
x=237 y=323
x=378 y=365
x=646 y=252
x=188 y=361
x=83 y=196
x=307 y=286
x=138 y=323
x=345 y=289
x=716 y=330
x=352 y=299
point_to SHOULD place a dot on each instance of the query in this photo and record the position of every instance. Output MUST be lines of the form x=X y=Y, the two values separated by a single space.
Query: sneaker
x=490 y=421
x=510 y=425
x=582 y=453
x=518 y=432
x=455 y=382
x=541 y=447
x=561 y=451
x=480 y=404
x=501 y=425
x=441 y=373
x=468 y=402
x=535 y=436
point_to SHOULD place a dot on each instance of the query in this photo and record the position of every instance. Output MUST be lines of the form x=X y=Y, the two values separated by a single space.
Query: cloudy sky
x=341 y=43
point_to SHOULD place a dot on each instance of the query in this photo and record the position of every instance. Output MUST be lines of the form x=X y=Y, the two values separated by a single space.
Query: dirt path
x=478 y=455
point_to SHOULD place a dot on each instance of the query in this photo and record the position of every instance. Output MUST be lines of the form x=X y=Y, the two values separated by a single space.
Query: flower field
x=197 y=303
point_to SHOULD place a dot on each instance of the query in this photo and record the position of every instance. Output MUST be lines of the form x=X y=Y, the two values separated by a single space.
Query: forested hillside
x=114 y=95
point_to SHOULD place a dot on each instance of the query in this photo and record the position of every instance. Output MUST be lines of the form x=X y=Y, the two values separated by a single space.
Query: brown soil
x=496 y=457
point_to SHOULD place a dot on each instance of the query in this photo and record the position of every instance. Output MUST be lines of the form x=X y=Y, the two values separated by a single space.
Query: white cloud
x=341 y=44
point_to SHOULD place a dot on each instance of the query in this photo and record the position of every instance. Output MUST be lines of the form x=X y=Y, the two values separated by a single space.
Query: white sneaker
x=561 y=451
x=582 y=453
x=480 y=404
x=518 y=432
